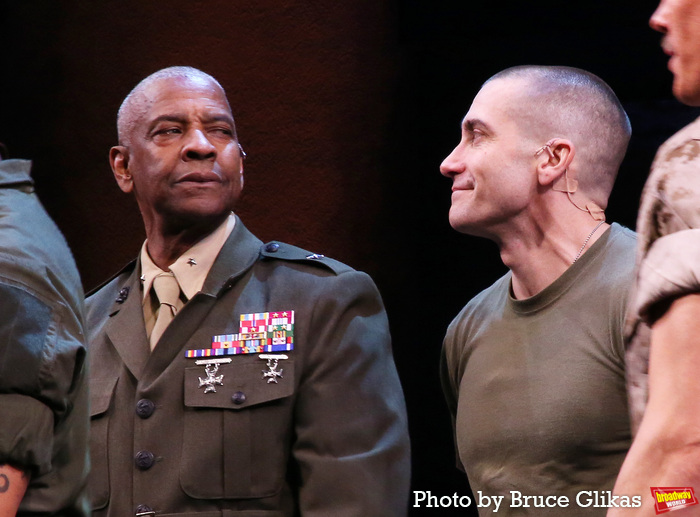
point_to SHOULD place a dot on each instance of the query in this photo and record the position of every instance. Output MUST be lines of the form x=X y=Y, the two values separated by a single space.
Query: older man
x=664 y=322
x=43 y=378
x=533 y=366
x=232 y=377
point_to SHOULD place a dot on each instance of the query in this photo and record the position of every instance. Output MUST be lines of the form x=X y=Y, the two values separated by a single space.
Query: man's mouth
x=468 y=185
x=200 y=177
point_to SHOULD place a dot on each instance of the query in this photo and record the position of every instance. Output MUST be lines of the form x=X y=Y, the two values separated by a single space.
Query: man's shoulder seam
x=276 y=250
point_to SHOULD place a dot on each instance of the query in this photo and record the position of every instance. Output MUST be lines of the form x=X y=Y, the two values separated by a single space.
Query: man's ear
x=119 y=160
x=553 y=163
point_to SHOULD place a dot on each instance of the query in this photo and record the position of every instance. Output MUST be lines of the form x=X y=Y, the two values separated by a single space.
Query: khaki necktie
x=168 y=291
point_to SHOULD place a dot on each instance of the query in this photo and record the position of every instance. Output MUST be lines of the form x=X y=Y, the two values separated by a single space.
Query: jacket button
x=238 y=398
x=144 y=460
x=145 y=408
x=272 y=247
x=144 y=510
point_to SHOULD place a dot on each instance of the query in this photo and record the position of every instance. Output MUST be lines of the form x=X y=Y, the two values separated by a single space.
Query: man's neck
x=540 y=255
x=166 y=244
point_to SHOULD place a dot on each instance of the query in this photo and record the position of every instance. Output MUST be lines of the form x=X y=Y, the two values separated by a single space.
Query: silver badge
x=211 y=368
x=272 y=373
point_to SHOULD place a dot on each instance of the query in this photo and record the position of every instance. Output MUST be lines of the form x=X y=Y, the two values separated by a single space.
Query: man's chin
x=205 y=217
x=462 y=225
x=686 y=92
x=470 y=226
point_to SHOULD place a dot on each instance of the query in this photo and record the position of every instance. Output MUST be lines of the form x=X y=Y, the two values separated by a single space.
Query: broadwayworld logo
x=672 y=498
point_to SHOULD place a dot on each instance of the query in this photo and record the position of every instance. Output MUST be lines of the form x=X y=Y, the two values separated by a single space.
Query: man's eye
x=222 y=131
x=476 y=135
x=168 y=131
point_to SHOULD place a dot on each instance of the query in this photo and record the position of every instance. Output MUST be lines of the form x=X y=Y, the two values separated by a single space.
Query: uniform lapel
x=126 y=328
x=239 y=253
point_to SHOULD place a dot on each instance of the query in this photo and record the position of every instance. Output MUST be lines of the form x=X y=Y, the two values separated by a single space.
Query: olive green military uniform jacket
x=43 y=379
x=327 y=439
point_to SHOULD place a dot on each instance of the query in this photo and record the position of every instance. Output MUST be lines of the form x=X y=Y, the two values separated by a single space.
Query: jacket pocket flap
x=238 y=386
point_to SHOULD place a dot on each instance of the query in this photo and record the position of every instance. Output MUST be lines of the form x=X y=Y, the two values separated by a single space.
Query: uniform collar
x=192 y=267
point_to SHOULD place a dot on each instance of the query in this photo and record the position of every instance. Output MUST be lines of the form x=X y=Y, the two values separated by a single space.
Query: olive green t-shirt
x=537 y=386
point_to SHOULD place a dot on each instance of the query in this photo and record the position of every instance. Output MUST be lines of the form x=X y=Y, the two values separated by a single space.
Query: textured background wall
x=346 y=110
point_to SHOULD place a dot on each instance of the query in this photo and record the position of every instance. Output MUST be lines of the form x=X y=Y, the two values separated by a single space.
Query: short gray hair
x=136 y=103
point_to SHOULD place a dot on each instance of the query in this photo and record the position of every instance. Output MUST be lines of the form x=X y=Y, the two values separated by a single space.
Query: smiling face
x=181 y=159
x=679 y=21
x=492 y=168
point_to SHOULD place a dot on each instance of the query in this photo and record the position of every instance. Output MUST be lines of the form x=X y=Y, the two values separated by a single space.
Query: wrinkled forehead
x=179 y=92
x=172 y=96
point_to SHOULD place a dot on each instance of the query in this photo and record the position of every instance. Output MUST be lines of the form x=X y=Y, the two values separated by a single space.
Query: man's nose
x=198 y=146
x=452 y=165
x=658 y=19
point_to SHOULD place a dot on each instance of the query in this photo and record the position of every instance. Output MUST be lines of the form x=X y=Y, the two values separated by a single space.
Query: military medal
x=258 y=333
x=211 y=379
x=211 y=368
x=272 y=372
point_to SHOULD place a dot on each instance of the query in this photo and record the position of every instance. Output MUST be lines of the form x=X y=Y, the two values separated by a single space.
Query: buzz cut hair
x=136 y=103
x=571 y=103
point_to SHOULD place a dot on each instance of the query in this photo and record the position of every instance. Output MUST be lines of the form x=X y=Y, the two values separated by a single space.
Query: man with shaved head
x=533 y=367
x=231 y=377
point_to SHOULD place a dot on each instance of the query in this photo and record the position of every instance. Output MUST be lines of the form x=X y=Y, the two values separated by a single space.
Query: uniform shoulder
x=107 y=288
x=275 y=250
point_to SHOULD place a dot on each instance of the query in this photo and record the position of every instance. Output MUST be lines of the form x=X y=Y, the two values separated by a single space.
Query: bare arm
x=666 y=450
x=13 y=484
